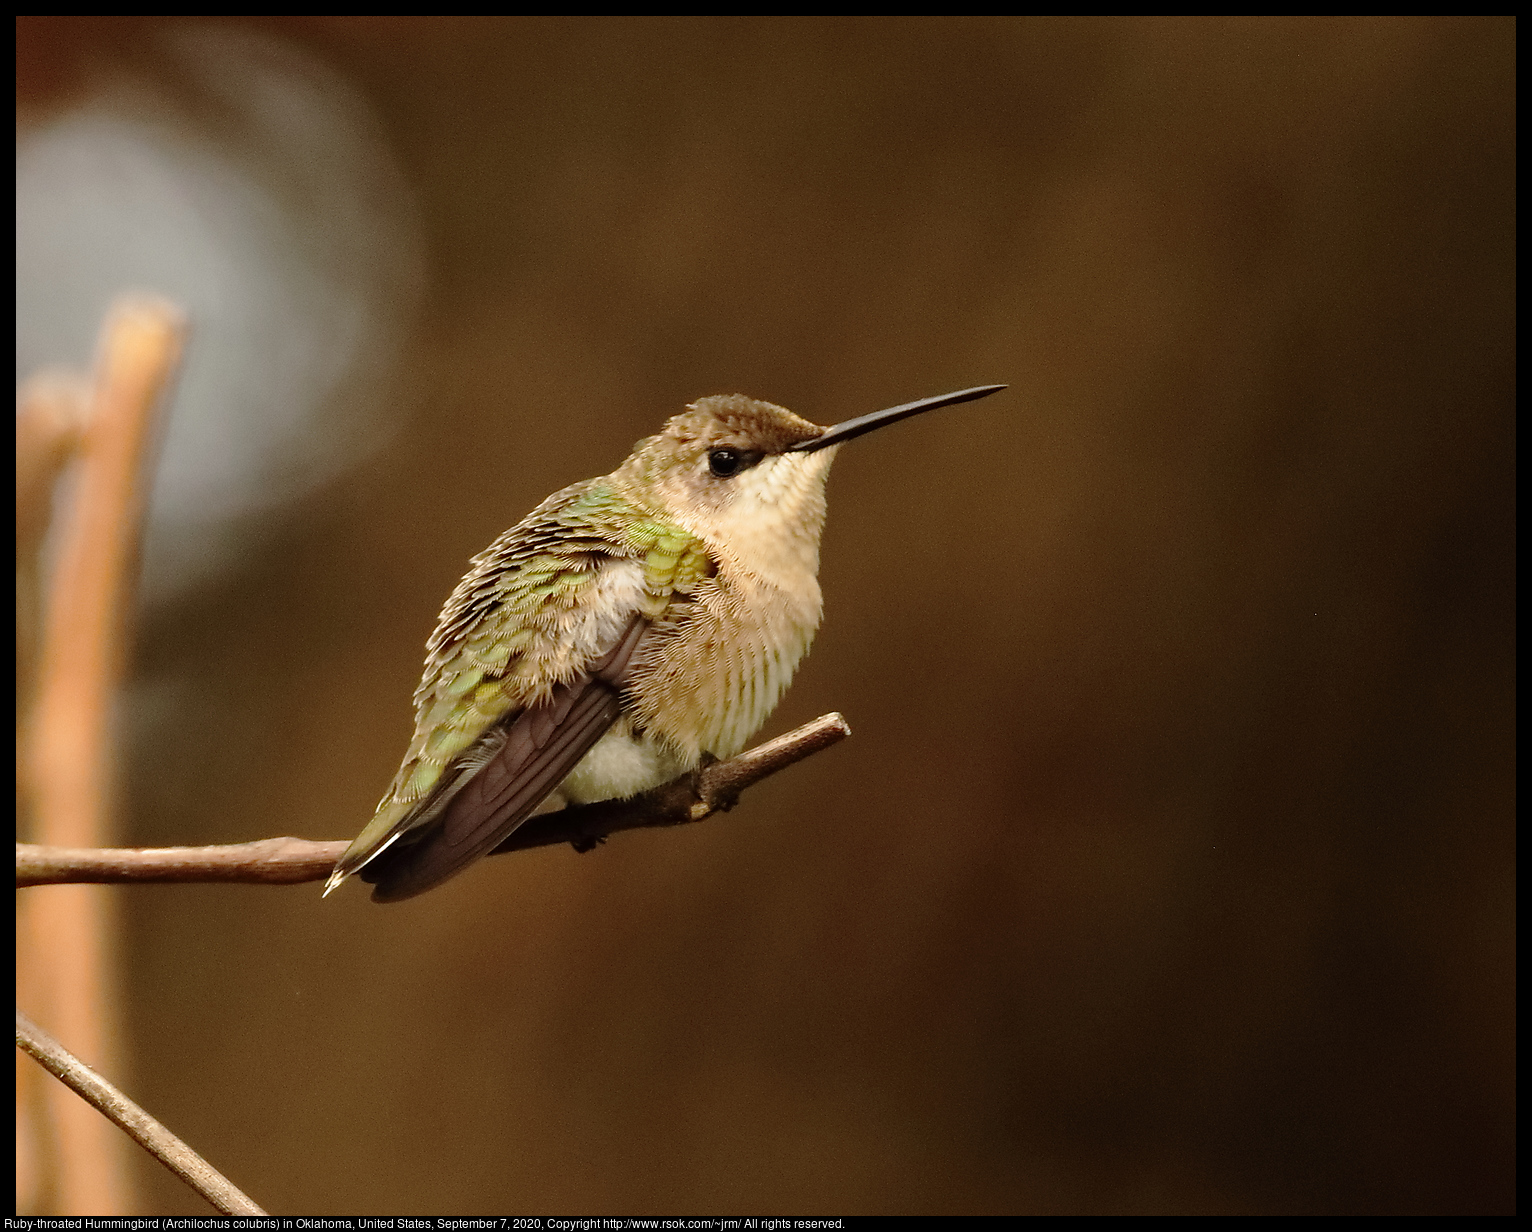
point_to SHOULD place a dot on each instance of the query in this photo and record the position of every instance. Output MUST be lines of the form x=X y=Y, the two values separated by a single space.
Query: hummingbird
x=625 y=631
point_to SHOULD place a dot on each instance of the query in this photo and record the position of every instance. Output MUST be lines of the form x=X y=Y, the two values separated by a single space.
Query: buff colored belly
x=620 y=765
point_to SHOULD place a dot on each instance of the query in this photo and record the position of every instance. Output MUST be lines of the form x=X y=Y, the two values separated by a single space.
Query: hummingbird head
x=748 y=477
x=725 y=469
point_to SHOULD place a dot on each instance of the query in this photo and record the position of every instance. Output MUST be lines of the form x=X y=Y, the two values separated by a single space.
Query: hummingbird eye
x=725 y=462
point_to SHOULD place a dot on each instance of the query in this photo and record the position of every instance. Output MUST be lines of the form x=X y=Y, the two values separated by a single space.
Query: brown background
x=1170 y=868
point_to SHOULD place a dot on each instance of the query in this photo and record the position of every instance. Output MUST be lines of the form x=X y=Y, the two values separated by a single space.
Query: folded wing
x=506 y=777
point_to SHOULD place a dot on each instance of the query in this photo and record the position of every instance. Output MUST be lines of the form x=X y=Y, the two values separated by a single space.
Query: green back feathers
x=501 y=637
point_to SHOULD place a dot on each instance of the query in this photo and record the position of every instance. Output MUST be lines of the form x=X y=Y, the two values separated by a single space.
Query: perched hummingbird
x=627 y=627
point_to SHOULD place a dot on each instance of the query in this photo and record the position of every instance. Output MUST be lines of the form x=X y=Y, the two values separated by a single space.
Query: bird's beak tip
x=852 y=428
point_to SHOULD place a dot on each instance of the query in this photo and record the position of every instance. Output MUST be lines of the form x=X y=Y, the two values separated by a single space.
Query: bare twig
x=83 y=647
x=139 y=1125
x=285 y=861
x=64 y=739
x=51 y=413
x=271 y=861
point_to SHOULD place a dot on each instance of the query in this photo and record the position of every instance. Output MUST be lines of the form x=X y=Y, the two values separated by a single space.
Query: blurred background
x=1170 y=867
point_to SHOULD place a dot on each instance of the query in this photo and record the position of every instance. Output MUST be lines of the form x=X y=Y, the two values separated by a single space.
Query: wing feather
x=535 y=752
x=525 y=671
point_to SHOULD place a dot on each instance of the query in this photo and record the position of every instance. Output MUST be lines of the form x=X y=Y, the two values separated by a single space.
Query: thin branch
x=88 y=605
x=64 y=737
x=270 y=861
x=139 y=1125
x=286 y=861
x=52 y=409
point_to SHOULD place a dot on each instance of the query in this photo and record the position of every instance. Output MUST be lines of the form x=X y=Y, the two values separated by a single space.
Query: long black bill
x=866 y=423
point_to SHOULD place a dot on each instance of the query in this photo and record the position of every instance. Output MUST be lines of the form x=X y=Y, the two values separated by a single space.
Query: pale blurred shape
x=247 y=181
